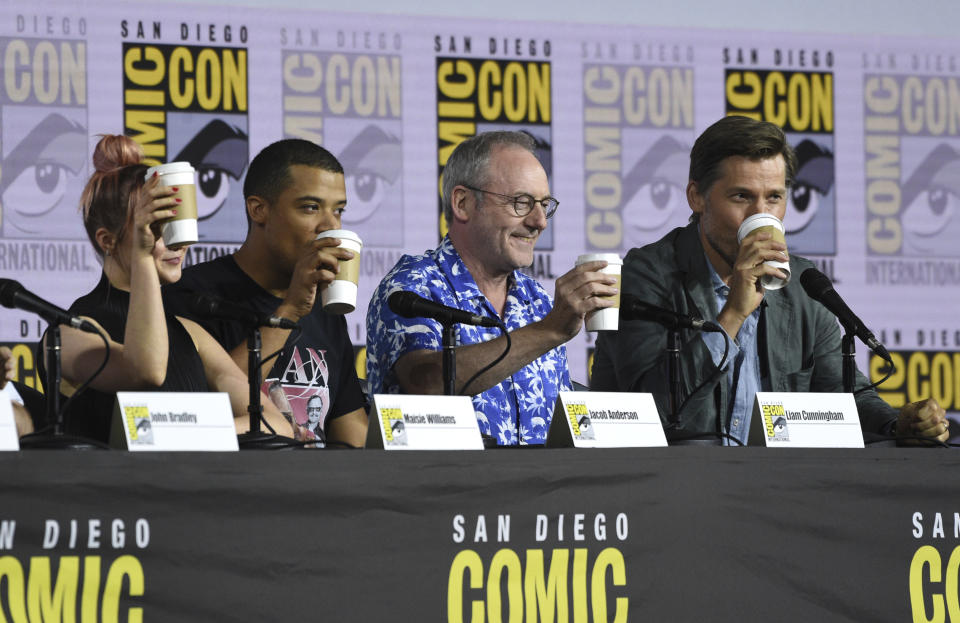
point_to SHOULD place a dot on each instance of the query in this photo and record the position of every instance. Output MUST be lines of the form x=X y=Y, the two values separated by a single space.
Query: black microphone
x=14 y=296
x=632 y=308
x=819 y=288
x=410 y=305
x=211 y=307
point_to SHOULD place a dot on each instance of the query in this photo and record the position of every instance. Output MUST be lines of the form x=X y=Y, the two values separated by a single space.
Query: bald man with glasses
x=496 y=202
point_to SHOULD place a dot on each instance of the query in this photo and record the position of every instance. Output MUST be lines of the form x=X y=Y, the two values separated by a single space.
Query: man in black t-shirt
x=294 y=190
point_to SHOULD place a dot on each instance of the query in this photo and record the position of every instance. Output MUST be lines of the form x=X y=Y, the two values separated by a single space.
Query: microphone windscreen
x=8 y=291
x=815 y=283
x=402 y=302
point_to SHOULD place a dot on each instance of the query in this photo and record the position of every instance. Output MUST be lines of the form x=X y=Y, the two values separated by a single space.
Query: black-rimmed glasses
x=523 y=204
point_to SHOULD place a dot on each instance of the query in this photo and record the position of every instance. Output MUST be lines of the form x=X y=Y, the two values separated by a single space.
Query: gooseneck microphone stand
x=848 y=349
x=449 y=359
x=673 y=374
x=255 y=438
x=58 y=439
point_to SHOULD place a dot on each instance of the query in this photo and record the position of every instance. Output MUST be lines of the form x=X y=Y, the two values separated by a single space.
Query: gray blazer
x=799 y=340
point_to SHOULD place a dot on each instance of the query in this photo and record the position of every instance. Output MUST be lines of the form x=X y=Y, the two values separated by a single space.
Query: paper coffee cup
x=607 y=319
x=767 y=222
x=340 y=297
x=182 y=229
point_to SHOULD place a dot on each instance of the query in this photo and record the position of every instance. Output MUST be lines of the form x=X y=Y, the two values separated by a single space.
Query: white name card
x=9 y=440
x=605 y=420
x=406 y=422
x=165 y=421
x=805 y=420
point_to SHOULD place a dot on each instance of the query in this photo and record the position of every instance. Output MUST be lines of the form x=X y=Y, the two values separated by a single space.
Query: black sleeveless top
x=91 y=413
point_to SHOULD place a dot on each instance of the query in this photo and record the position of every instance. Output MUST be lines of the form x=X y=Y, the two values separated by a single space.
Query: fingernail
x=174 y=188
x=174 y=211
x=179 y=200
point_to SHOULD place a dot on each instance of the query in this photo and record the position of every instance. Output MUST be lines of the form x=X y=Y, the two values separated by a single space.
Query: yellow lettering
x=60 y=602
x=181 y=89
x=465 y=561
x=16 y=65
x=926 y=556
x=123 y=567
x=612 y=558
x=489 y=100
x=209 y=80
x=505 y=561
x=12 y=571
x=543 y=596
x=235 y=80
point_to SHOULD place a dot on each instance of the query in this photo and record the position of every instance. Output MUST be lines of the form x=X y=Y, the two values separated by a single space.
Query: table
x=665 y=534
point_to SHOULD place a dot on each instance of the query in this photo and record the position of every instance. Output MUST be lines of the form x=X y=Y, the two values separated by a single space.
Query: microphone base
x=47 y=441
x=266 y=441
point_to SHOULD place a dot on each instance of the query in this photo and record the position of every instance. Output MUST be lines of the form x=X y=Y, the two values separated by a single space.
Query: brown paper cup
x=182 y=229
x=340 y=297
x=604 y=319
x=767 y=222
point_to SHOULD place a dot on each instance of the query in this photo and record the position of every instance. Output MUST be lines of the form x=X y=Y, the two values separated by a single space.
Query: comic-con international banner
x=613 y=111
x=44 y=125
x=343 y=86
x=911 y=151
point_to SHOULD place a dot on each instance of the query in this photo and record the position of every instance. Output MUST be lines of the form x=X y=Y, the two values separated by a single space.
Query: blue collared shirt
x=743 y=364
x=520 y=404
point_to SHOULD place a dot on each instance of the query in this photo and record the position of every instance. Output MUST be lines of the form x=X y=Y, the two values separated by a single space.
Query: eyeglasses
x=523 y=204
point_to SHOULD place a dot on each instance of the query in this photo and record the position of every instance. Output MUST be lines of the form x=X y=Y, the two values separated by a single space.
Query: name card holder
x=407 y=422
x=605 y=420
x=805 y=420
x=173 y=421
x=9 y=440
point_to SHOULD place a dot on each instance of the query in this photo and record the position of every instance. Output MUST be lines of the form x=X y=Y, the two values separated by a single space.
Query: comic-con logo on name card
x=189 y=103
x=794 y=89
x=351 y=104
x=43 y=132
x=394 y=429
x=775 y=422
x=637 y=133
x=477 y=94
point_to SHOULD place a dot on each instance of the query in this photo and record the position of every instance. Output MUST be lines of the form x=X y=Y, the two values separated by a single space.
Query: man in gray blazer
x=780 y=340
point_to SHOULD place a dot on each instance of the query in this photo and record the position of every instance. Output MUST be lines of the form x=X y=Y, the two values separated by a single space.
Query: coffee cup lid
x=609 y=258
x=339 y=233
x=171 y=167
x=755 y=221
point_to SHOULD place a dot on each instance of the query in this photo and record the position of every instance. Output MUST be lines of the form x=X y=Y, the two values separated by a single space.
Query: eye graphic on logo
x=219 y=153
x=372 y=163
x=813 y=181
x=931 y=199
x=654 y=189
x=37 y=171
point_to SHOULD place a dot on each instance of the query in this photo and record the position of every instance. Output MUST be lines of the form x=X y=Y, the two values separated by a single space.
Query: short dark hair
x=269 y=172
x=737 y=136
x=468 y=164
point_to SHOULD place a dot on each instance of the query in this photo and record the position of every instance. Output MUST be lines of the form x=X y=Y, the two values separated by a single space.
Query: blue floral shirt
x=517 y=410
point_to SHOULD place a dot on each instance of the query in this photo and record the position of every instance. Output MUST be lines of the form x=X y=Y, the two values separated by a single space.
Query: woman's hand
x=153 y=203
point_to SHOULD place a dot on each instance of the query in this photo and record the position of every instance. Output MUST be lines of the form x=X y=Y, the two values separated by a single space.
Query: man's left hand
x=924 y=418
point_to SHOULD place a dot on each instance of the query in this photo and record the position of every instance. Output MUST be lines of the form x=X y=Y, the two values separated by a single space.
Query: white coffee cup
x=340 y=297
x=607 y=319
x=181 y=229
x=775 y=227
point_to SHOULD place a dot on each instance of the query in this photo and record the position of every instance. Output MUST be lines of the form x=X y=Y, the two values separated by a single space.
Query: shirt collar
x=457 y=273
x=716 y=282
